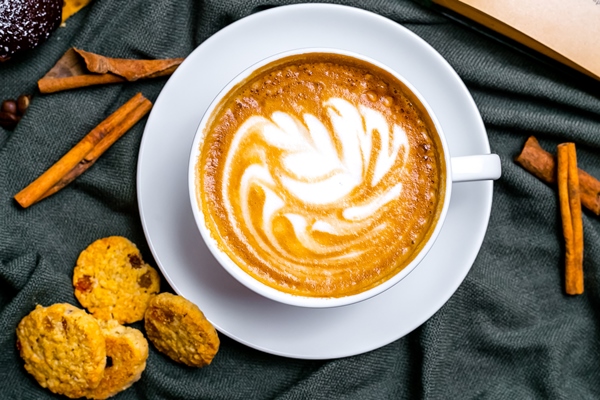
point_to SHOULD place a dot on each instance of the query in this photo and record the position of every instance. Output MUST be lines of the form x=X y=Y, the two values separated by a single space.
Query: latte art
x=308 y=165
x=319 y=190
x=298 y=167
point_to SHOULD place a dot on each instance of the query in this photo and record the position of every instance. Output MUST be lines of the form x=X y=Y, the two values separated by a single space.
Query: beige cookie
x=63 y=348
x=112 y=281
x=178 y=328
x=126 y=355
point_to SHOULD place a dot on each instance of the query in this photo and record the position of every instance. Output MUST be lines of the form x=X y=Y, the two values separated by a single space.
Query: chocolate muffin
x=24 y=24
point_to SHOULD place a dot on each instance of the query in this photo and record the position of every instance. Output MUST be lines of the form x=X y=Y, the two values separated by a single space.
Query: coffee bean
x=9 y=106
x=8 y=120
x=23 y=103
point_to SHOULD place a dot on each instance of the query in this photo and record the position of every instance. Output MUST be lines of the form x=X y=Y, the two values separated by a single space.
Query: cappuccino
x=320 y=175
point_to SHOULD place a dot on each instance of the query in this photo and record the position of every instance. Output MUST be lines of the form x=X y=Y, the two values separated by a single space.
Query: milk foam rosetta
x=319 y=176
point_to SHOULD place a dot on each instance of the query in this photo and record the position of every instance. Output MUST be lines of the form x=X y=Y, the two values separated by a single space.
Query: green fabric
x=508 y=332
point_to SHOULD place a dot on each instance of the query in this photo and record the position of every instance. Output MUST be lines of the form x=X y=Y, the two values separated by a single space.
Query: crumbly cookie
x=126 y=355
x=63 y=348
x=113 y=282
x=179 y=329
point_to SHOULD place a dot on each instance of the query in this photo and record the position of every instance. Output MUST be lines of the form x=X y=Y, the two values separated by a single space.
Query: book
x=567 y=31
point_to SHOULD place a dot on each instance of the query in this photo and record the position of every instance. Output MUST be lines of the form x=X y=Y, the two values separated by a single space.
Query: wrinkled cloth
x=508 y=332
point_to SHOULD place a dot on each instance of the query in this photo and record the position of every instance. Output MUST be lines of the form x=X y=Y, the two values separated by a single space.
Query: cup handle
x=476 y=168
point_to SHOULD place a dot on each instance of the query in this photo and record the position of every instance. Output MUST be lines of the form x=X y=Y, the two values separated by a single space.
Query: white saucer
x=174 y=238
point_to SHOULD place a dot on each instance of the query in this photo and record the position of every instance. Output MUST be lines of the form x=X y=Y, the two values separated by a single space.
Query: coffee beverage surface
x=320 y=175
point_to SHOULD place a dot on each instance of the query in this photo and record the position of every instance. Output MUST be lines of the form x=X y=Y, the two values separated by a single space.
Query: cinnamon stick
x=51 y=85
x=90 y=158
x=73 y=163
x=570 y=210
x=130 y=69
x=78 y=68
x=542 y=164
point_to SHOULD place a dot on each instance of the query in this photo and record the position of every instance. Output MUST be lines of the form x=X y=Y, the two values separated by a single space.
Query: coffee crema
x=320 y=175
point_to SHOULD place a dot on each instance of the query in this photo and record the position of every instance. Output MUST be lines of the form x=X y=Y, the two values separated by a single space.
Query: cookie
x=113 y=282
x=177 y=328
x=126 y=355
x=63 y=348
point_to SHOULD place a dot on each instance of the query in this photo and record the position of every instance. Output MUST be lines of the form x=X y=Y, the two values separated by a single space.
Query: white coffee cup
x=458 y=169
